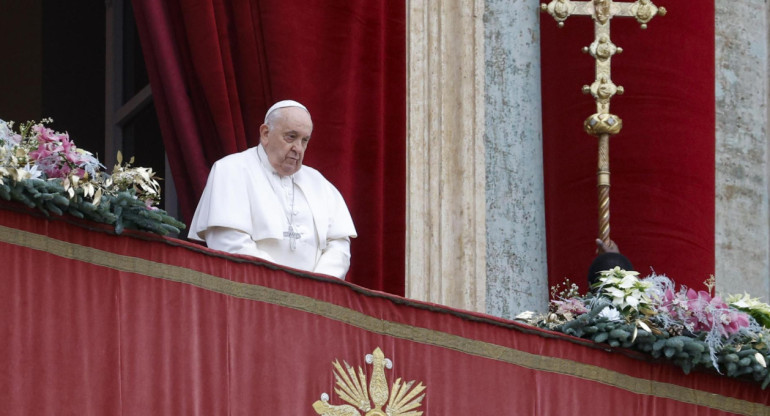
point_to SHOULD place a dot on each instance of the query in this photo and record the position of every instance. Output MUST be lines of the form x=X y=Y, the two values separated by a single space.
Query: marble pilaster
x=446 y=244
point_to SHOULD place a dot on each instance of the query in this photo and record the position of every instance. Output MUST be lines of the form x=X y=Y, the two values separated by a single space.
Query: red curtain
x=98 y=324
x=215 y=67
x=661 y=163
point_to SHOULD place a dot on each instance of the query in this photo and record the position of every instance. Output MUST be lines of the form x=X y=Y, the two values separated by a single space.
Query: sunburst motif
x=351 y=387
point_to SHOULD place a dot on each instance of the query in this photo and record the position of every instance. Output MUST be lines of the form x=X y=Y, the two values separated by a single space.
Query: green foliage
x=122 y=210
x=745 y=357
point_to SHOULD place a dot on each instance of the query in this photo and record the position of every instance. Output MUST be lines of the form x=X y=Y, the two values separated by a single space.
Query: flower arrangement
x=693 y=329
x=44 y=169
x=629 y=295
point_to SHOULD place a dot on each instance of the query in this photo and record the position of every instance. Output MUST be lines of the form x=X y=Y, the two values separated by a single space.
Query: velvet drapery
x=215 y=67
x=98 y=324
x=661 y=163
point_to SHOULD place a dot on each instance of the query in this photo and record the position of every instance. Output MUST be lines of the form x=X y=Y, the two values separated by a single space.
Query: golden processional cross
x=603 y=124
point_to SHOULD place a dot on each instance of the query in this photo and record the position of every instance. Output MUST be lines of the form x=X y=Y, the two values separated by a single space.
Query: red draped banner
x=98 y=324
x=661 y=163
x=216 y=66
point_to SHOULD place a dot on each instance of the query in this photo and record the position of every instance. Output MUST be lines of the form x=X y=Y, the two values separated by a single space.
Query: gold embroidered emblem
x=402 y=400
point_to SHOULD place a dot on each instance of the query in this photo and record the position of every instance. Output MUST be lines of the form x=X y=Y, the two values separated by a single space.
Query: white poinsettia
x=611 y=314
x=628 y=293
x=759 y=310
x=30 y=172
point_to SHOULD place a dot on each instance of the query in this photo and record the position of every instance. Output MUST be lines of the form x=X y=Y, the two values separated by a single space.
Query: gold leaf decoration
x=401 y=400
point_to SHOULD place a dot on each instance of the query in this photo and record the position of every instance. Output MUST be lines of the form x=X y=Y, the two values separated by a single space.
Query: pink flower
x=738 y=320
x=44 y=134
x=57 y=156
x=42 y=152
x=69 y=150
x=698 y=311
x=574 y=306
x=148 y=204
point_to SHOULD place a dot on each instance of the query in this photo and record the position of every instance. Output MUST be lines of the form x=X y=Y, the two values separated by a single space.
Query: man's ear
x=263 y=131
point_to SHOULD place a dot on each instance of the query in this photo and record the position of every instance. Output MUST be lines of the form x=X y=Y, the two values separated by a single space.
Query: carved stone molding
x=446 y=243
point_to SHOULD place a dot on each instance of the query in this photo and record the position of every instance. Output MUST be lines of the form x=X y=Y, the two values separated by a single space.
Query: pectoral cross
x=292 y=236
x=603 y=124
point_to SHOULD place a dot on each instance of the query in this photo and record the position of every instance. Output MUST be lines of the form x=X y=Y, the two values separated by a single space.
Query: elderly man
x=263 y=202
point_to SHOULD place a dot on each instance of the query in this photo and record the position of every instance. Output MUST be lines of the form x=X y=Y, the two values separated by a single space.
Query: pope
x=264 y=202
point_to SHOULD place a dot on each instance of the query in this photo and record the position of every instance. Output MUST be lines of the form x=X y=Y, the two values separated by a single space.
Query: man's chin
x=287 y=170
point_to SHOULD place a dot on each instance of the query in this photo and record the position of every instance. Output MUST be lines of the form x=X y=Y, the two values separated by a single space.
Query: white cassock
x=300 y=221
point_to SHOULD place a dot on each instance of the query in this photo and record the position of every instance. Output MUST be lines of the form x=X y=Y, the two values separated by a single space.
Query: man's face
x=286 y=141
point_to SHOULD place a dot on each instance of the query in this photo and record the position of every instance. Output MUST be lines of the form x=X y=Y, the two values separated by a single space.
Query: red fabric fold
x=216 y=66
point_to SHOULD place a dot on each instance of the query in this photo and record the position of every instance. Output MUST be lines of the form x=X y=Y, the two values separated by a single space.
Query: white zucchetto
x=284 y=104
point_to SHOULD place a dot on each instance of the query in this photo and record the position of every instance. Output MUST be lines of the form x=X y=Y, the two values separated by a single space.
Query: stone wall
x=742 y=226
x=517 y=277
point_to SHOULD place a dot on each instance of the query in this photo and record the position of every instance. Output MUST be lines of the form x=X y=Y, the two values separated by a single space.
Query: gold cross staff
x=603 y=124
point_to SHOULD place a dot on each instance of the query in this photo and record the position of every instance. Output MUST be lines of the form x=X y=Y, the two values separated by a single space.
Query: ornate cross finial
x=603 y=10
x=603 y=124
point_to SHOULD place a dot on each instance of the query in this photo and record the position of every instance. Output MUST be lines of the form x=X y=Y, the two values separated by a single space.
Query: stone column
x=446 y=260
x=742 y=213
x=517 y=278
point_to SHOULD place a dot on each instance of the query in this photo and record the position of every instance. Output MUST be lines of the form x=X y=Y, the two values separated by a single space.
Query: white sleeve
x=233 y=241
x=335 y=259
